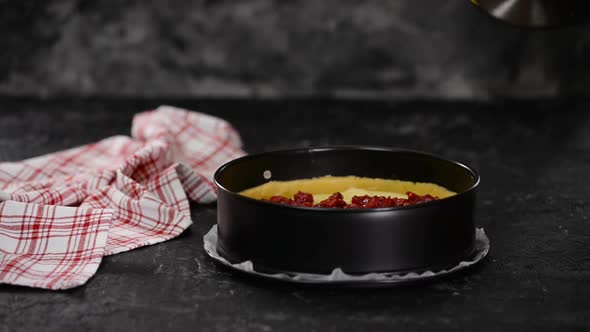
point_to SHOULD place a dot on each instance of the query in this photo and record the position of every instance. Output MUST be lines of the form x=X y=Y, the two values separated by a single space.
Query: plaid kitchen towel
x=61 y=213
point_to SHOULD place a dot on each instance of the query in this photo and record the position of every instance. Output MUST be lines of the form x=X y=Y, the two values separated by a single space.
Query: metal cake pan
x=280 y=238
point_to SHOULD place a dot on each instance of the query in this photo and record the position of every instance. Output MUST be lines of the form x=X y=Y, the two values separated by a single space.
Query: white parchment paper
x=482 y=247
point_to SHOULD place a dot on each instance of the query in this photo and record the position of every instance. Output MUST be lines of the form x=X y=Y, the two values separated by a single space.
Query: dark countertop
x=534 y=204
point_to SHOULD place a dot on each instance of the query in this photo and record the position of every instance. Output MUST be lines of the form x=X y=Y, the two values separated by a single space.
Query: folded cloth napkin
x=61 y=213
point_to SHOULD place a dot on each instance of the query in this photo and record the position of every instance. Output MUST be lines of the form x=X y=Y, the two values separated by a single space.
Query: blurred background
x=394 y=49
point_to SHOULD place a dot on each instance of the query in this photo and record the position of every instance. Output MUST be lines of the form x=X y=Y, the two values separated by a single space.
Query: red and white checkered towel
x=61 y=213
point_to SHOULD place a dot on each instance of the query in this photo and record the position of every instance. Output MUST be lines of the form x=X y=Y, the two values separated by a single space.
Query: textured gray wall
x=372 y=48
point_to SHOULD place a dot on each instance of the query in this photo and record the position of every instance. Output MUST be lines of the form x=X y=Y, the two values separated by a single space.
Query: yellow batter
x=349 y=186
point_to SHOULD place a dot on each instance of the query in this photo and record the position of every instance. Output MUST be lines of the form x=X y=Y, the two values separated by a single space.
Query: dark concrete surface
x=276 y=48
x=534 y=204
